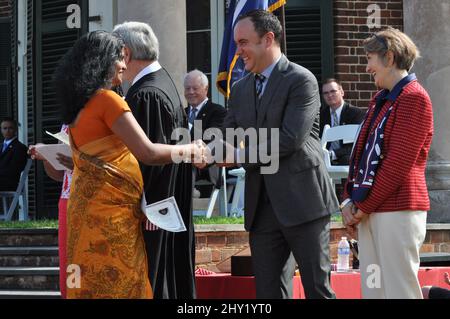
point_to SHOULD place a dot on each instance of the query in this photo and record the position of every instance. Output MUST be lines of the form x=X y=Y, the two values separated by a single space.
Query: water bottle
x=343 y=264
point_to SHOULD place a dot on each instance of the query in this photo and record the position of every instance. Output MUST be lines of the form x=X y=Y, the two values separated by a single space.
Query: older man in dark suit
x=13 y=156
x=204 y=116
x=286 y=210
x=338 y=112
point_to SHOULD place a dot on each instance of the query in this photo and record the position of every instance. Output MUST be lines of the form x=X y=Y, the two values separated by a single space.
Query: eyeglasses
x=332 y=92
x=381 y=40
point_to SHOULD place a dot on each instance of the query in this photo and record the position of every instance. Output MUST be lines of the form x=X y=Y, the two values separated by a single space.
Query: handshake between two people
x=201 y=155
x=198 y=153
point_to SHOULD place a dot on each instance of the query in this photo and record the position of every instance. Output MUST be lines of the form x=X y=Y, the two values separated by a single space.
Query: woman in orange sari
x=105 y=248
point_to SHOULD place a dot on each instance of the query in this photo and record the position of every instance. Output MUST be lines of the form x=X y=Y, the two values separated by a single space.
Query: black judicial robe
x=157 y=107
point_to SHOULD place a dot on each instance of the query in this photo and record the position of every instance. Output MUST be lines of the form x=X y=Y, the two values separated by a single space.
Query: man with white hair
x=156 y=104
x=203 y=115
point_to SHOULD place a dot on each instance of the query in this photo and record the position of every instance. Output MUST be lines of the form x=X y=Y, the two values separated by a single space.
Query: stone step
x=28 y=237
x=29 y=251
x=29 y=257
x=29 y=294
x=29 y=278
x=29 y=261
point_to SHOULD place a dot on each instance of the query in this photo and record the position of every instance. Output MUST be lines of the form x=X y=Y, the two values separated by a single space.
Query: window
x=309 y=35
x=48 y=39
x=204 y=25
x=5 y=68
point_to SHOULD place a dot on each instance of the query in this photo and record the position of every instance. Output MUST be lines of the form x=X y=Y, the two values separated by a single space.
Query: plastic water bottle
x=343 y=264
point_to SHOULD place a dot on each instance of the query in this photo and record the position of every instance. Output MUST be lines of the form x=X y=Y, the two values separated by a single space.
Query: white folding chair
x=237 y=203
x=20 y=193
x=346 y=133
x=219 y=193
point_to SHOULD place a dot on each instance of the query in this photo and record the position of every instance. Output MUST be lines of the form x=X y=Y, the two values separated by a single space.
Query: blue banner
x=231 y=67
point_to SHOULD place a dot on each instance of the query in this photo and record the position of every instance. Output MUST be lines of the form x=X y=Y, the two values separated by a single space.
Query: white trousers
x=389 y=245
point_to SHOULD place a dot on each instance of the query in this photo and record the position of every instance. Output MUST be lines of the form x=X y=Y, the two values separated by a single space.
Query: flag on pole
x=231 y=67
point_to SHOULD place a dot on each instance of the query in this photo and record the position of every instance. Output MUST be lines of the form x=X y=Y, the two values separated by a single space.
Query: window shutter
x=49 y=39
x=14 y=57
x=5 y=68
x=309 y=38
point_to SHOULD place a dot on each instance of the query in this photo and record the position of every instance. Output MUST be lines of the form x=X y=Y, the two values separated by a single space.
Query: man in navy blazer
x=13 y=156
x=203 y=115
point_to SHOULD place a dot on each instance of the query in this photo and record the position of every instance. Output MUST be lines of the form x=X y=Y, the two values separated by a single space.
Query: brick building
x=322 y=35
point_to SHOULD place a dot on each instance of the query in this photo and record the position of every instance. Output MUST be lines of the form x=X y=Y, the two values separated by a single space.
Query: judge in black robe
x=156 y=105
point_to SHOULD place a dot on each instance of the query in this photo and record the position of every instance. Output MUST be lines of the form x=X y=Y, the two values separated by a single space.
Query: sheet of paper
x=61 y=136
x=49 y=151
x=165 y=214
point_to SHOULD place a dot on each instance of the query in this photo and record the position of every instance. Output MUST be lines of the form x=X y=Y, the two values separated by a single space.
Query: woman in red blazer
x=386 y=196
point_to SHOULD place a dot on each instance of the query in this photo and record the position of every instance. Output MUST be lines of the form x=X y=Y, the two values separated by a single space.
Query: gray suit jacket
x=300 y=191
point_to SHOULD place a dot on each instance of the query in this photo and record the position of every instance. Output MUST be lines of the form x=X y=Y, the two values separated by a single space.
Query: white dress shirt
x=153 y=67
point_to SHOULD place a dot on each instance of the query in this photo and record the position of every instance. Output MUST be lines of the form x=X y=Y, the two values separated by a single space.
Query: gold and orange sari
x=104 y=223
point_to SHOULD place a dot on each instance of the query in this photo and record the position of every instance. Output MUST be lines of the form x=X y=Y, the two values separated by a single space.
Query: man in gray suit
x=289 y=210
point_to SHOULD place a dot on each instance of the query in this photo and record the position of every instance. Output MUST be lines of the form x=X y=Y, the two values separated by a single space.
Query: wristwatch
x=344 y=203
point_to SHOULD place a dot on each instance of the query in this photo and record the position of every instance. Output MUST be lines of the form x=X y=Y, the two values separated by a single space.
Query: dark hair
x=331 y=80
x=10 y=120
x=264 y=22
x=87 y=67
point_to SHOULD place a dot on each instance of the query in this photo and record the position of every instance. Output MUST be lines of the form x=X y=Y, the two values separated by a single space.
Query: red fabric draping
x=345 y=285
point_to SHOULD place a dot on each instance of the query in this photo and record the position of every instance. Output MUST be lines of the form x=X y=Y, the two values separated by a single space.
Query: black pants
x=272 y=247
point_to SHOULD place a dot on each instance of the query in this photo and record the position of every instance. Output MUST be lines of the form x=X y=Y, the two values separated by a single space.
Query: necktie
x=335 y=145
x=5 y=146
x=335 y=118
x=259 y=80
x=192 y=115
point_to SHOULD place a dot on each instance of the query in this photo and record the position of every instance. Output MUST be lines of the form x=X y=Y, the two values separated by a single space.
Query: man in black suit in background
x=200 y=109
x=13 y=156
x=338 y=112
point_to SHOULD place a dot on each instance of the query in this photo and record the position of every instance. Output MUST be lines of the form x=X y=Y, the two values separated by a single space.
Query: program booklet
x=50 y=151
x=164 y=214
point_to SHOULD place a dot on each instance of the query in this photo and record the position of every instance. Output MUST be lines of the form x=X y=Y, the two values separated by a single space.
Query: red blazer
x=399 y=183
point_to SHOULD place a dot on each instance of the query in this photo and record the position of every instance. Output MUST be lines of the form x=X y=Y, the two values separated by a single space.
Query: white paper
x=164 y=214
x=61 y=136
x=49 y=151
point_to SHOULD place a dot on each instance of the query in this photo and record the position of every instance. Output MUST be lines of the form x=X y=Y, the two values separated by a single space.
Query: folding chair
x=348 y=134
x=220 y=191
x=237 y=203
x=20 y=193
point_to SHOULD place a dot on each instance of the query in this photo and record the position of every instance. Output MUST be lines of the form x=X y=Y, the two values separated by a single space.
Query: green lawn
x=218 y=220
x=199 y=220
x=45 y=223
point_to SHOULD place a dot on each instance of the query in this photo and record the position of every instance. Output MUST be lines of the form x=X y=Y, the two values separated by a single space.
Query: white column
x=428 y=25
x=168 y=20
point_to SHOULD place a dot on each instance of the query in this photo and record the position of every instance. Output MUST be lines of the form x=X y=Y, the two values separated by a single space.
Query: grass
x=336 y=218
x=198 y=220
x=45 y=223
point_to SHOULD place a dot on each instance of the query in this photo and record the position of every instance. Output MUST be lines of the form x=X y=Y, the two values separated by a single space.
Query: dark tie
x=259 y=80
x=335 y=145
x=192 y=115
